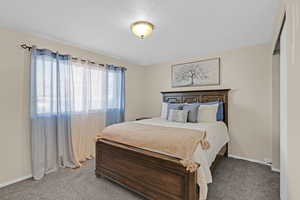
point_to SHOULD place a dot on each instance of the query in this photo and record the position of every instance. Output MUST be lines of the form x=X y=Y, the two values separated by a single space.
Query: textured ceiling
x=183 y=28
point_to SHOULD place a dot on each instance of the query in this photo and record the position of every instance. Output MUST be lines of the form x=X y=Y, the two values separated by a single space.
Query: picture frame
x=198 y=73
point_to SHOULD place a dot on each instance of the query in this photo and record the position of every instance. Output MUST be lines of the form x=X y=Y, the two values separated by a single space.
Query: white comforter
x=217 y=135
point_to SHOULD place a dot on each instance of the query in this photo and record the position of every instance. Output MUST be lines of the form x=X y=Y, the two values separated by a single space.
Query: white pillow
x=164 y=110
x=178 y=115
x=207 y=113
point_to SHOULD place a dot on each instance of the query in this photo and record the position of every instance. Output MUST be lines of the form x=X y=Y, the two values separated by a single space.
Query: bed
x=159 y=176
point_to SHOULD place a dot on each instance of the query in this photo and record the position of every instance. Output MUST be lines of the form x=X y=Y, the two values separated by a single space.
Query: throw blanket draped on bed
x=178 y=142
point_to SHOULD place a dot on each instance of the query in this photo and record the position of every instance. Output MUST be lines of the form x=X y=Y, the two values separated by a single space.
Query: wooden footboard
x=152 y=175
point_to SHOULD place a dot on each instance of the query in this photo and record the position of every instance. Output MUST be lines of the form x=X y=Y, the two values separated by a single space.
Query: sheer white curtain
x=69 y=107
x=51 y=109
x=88 y=117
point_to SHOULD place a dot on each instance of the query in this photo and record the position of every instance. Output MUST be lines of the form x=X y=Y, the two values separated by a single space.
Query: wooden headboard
x=199 y=96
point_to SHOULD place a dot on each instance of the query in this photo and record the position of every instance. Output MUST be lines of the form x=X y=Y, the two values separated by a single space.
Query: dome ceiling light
x=142 y=29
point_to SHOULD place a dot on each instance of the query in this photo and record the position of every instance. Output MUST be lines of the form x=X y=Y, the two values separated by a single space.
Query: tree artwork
x=196 y=73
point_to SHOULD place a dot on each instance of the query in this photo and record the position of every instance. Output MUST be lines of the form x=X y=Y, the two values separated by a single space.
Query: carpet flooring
x=233 y=180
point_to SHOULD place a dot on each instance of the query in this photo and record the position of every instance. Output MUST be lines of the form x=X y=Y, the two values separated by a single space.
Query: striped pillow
x=178 y=115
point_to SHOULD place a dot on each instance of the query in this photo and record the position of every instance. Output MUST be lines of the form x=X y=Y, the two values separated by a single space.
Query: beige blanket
x=178 y=142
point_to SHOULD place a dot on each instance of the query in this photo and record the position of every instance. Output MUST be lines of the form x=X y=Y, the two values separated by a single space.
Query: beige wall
x=276 y=112
x=14 y=82
x=248 y=73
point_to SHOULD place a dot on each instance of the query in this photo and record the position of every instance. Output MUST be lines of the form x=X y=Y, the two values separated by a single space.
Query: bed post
x=192 y=187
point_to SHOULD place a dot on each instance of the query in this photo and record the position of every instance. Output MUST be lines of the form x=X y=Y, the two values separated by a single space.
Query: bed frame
x=152 y=175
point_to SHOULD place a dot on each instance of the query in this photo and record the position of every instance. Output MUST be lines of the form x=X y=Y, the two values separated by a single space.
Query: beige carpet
x=233 y=180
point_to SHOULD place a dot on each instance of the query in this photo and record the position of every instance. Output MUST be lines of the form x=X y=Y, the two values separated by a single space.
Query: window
x=89 y=88
x=80 y=88
x=46 y=86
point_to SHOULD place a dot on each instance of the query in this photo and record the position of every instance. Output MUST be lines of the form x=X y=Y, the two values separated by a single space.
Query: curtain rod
x=25 y=46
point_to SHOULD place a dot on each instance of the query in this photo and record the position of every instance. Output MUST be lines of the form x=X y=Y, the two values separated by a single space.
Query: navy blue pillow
x=220 y=112
x=193 y=112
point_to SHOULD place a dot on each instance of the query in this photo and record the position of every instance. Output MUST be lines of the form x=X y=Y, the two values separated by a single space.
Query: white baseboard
x=248 y=159
x=15 y=181
x=255 y=161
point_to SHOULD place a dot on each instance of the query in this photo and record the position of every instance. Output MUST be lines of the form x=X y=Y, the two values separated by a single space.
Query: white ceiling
x=183 y=28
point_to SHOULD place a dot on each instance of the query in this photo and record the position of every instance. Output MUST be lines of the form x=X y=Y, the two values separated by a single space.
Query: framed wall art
x=199 y=73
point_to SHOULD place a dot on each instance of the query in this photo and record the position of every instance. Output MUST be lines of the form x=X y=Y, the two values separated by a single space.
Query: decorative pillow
x=174 y=106
x=164 y=110
x=178 y=115
x=220 y=112
x=207 y=113
x=193 y=112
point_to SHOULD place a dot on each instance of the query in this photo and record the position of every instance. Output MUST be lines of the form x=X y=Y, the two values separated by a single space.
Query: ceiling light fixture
x=142 y=29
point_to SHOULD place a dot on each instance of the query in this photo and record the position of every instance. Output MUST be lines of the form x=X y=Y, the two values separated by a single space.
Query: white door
x=283 y=115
